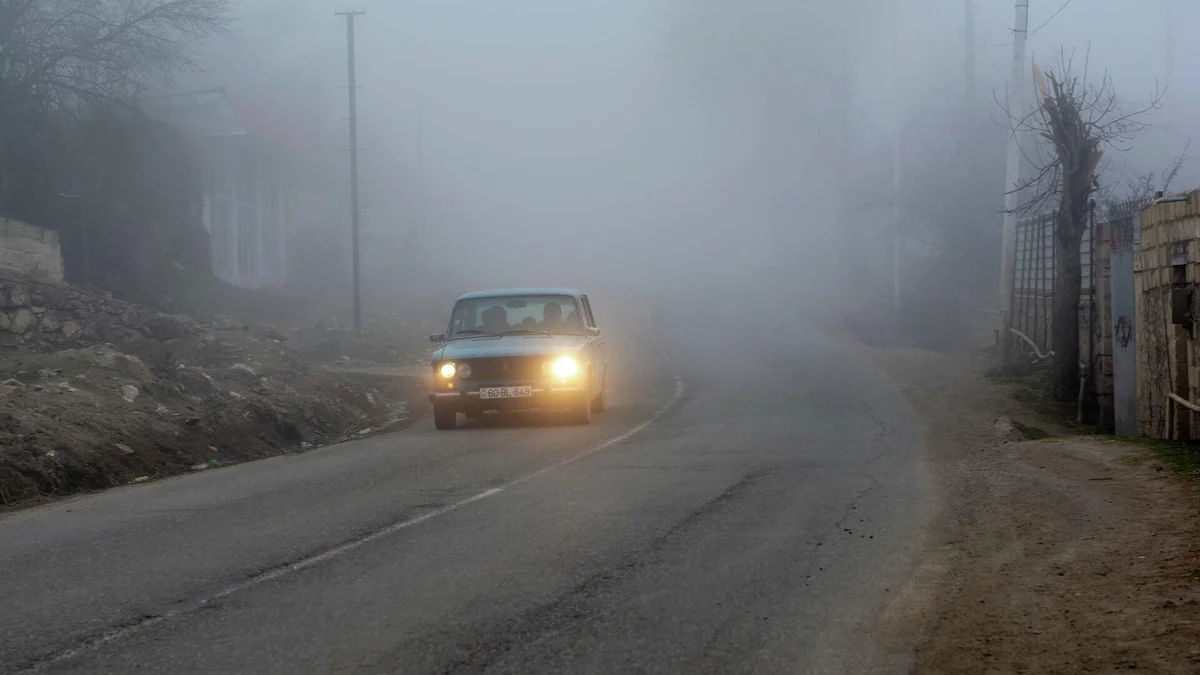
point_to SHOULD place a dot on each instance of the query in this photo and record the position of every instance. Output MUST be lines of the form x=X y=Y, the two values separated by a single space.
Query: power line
x=1052 y=17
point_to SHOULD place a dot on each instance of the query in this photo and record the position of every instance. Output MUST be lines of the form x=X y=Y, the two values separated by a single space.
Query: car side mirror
x=593 y=332
x=437 y=337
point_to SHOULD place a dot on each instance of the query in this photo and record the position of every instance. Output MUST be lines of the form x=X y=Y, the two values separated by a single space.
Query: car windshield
x=516 y=315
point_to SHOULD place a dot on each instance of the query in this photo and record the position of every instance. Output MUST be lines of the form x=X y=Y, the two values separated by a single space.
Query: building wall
x=245 y=210
x=29 y=249
x=1167 y=261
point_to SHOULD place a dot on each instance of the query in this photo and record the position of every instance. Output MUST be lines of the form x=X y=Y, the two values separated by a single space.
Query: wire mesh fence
x=1035 y=281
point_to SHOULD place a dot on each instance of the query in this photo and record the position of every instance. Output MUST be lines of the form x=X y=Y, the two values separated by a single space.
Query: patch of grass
x=1032 y=387
x=1183 y=458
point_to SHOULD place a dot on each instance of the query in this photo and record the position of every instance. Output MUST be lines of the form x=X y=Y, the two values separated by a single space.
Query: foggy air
x=536 y=336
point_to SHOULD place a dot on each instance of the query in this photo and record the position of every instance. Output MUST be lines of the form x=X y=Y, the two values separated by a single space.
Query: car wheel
x=600 y=403
x=582 y=412
x=444 y=418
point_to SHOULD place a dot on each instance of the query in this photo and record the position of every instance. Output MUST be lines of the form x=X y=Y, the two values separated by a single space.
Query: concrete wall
x=32 y=250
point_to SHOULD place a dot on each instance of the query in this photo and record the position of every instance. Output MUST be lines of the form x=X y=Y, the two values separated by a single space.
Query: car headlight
x=464 y=370
x=564 y=367
x=447 y=370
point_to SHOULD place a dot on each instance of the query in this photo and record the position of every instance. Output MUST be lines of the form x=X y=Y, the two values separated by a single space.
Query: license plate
x=487 y=393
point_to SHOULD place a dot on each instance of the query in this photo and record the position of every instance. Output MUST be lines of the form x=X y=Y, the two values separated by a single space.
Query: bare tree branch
x=59 y=53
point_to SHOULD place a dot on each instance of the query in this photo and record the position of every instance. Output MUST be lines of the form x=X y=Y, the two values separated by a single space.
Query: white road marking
x=95 y=643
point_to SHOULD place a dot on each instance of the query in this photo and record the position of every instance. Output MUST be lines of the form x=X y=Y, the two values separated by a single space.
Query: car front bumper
x=545 y=397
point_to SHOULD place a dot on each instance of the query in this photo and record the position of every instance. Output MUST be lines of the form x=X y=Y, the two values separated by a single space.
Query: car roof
x=498 y=293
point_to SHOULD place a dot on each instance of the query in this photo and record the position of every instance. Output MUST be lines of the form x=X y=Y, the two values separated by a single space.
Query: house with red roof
x=272 y=204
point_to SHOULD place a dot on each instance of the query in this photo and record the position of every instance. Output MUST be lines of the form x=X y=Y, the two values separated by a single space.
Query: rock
x=226 y=322
x=240 y=372
x=1006 y=431
x=50 y=324
x=107 y=357
x=23 y=321
x=129 y=392
x=199 y=467
x=371 y=398
x=12 y=383
x=192 y=421
x=5 y=322
x=306 y=446
x=38 y=310
x=71 y=329
x=63 y=386
x=125 y=449
x=164 y=327
x=18 y=296
x=268 y=331
x=140 y=479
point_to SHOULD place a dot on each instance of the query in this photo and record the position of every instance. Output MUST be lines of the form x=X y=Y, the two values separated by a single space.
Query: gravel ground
x=1068 y=554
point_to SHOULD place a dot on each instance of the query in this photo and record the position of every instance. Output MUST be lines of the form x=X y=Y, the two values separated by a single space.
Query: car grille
x=518 y=368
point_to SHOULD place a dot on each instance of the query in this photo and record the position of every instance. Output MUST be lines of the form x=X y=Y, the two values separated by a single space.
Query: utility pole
x=897 y=240
x=1016 y=110
x=1171 y=38
x=354 y=214
x=969 y=55
x=422 y=225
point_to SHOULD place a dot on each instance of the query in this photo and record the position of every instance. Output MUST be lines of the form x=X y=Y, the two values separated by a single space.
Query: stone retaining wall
x=29 y=249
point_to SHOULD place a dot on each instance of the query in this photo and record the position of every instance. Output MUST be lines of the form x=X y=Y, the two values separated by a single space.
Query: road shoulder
x=1061 y=555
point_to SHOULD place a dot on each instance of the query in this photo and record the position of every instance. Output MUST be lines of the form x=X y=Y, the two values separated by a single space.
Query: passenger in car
x=495 y=319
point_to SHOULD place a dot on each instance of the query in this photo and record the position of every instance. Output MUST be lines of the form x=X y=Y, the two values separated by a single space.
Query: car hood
x=509 y=345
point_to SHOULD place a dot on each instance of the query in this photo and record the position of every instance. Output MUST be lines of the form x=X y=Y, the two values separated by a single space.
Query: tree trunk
x=1068 y=279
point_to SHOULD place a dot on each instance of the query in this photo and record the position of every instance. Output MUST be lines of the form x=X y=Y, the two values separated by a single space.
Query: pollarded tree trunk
x=1078 y=155
x=1068 y=281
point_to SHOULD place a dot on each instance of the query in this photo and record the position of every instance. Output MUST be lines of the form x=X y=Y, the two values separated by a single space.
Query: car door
x=596 y=340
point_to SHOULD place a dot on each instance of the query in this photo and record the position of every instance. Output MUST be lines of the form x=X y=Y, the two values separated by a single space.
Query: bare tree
x=64 y=60
x=58 y=53
x=1141 y=186
x=1073 y=124
x=75 y=154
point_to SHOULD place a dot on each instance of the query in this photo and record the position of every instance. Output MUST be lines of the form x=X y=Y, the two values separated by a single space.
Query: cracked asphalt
x=769 y=501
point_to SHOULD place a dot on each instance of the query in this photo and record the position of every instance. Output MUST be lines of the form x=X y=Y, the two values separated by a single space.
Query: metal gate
x=1125 y=225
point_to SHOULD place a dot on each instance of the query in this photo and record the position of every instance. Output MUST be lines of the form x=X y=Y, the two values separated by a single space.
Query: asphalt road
x=746 y=505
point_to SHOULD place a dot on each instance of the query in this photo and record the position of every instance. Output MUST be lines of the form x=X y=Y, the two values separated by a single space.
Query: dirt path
x=1060 y=555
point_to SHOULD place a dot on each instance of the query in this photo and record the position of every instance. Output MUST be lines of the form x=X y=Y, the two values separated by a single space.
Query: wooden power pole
x=1016 y=109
